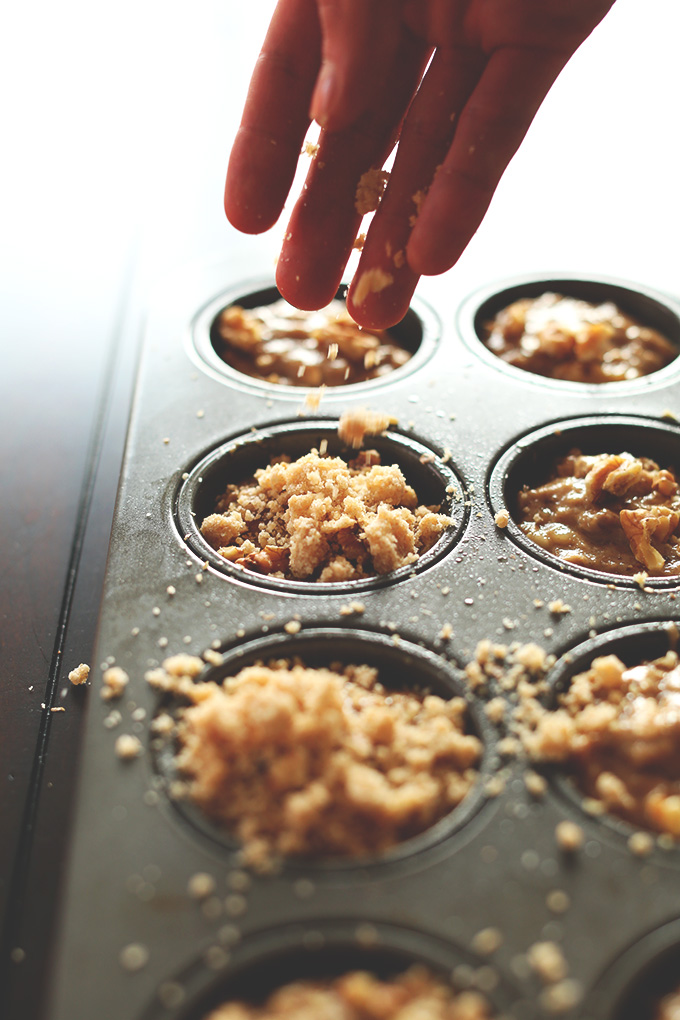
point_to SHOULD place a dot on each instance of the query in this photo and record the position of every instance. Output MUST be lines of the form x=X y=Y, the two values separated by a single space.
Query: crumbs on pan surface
x=414 y=995
x=323 y=519
x=318 y=762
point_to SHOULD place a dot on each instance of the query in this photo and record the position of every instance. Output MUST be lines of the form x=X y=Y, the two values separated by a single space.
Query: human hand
x=362 y=69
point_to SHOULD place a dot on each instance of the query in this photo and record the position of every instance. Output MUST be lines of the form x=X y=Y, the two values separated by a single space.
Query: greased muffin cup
x=161 y=917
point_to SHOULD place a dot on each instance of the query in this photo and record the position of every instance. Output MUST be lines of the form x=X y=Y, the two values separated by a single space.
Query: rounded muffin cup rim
x=277 y=644
x=312 y=941
x=190 y=533
x=577 y=658
x=203 y=354
x=498 y=478
x=470 y=308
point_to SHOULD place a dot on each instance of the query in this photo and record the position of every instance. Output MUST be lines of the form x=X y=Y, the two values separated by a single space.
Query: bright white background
x=116 y=123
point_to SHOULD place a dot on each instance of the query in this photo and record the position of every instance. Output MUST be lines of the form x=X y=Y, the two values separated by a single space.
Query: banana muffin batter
x=567 y=338
x=611 y=512
x=281 y=344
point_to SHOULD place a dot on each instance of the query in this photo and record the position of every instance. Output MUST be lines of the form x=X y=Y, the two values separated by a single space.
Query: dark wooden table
x=119 y=128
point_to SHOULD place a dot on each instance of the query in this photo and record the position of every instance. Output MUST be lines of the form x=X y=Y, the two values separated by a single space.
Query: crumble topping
x=565 y=338
x=80 y=674
x=371 y=281
x=414 y=995
x=281 y=344
x=323 y=519
x=319 y=762
x=610 y=512
x=370 y=190
x=359 y=422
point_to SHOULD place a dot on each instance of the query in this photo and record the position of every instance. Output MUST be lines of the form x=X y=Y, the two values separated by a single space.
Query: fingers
x=491 y=127
x=275 y=118
x=360 y=39
x=325 y=221
x=424 y=142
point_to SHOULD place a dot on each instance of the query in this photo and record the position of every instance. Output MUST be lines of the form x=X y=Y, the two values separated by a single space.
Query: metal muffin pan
x=495 y=861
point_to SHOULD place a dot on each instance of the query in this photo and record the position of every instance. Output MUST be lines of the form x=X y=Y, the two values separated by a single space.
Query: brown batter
x=414 y=995
x=323 y=519
x=566 y=338
x=318 y=762
x=283 y=345
x=618 y=731
x=610 y=512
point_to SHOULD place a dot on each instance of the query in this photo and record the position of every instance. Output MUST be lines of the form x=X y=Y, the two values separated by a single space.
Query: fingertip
x=300 y=288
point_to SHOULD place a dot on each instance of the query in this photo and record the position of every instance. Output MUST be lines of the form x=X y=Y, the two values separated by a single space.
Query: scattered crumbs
x=494 y=786
x=201 y=885
x=358 y=422
x=135 y=631
x=469 y=602
x=128 y=747
x=166 y=440
x=80 y=674
x=487 y=941
x=502 y=519
x=371 y=281
x=446 y=590
x=187 y=639
x=134 y=956
x=558 y=607
x=352 y=607
x=359 y=242
x=569 y=836
x=508 y=623
x=200 y=413
x=171 y=994
x=547 y=960
x=162 y=642
x=561 y=997
x=115 y=681
x=314 y=397
x=156 y=611
x=292 y=627
x=495 y=710
x=198 y=578
x=215 y=957
x=641 y=844
x=446 y=633
x=557 y=901
x=235 y=905
x=215 y=658
x=370 y=190
x=113 y=719
x=303 y=888
x=593 y=807
x=239 y=881
x=509 y=747
x=641 y=579
x=535 y=784
x=185 y=475
x=538 y=603
x=60 y=709
x=669 y=414
x=240 y=633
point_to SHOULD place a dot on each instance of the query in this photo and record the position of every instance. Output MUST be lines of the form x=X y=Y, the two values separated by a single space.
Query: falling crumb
x=446 y=633
x=134 y=956
x=128 y=746
x=370 y=190
x=358 y=422
x=535 y=784
x=399 y=259
x=314 y=397
x=293 y=627
x=310 y=149
x=352 y=607
x=557 y=901
x=171 y=590
x=569 y=836
x=641 y=579
x=60 y=709
x=502 y=519
x=487 y=941
x=561 y=997
x=359 y=242
x=371 y=281
x=115 y=681
x=200 y=413
x=201 y=885
x=641 y=844
x=547 y=960
x=80 y=674
x=558 y=607
x=156 y=611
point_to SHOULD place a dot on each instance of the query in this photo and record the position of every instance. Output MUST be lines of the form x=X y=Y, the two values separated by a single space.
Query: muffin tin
x=134 y=943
